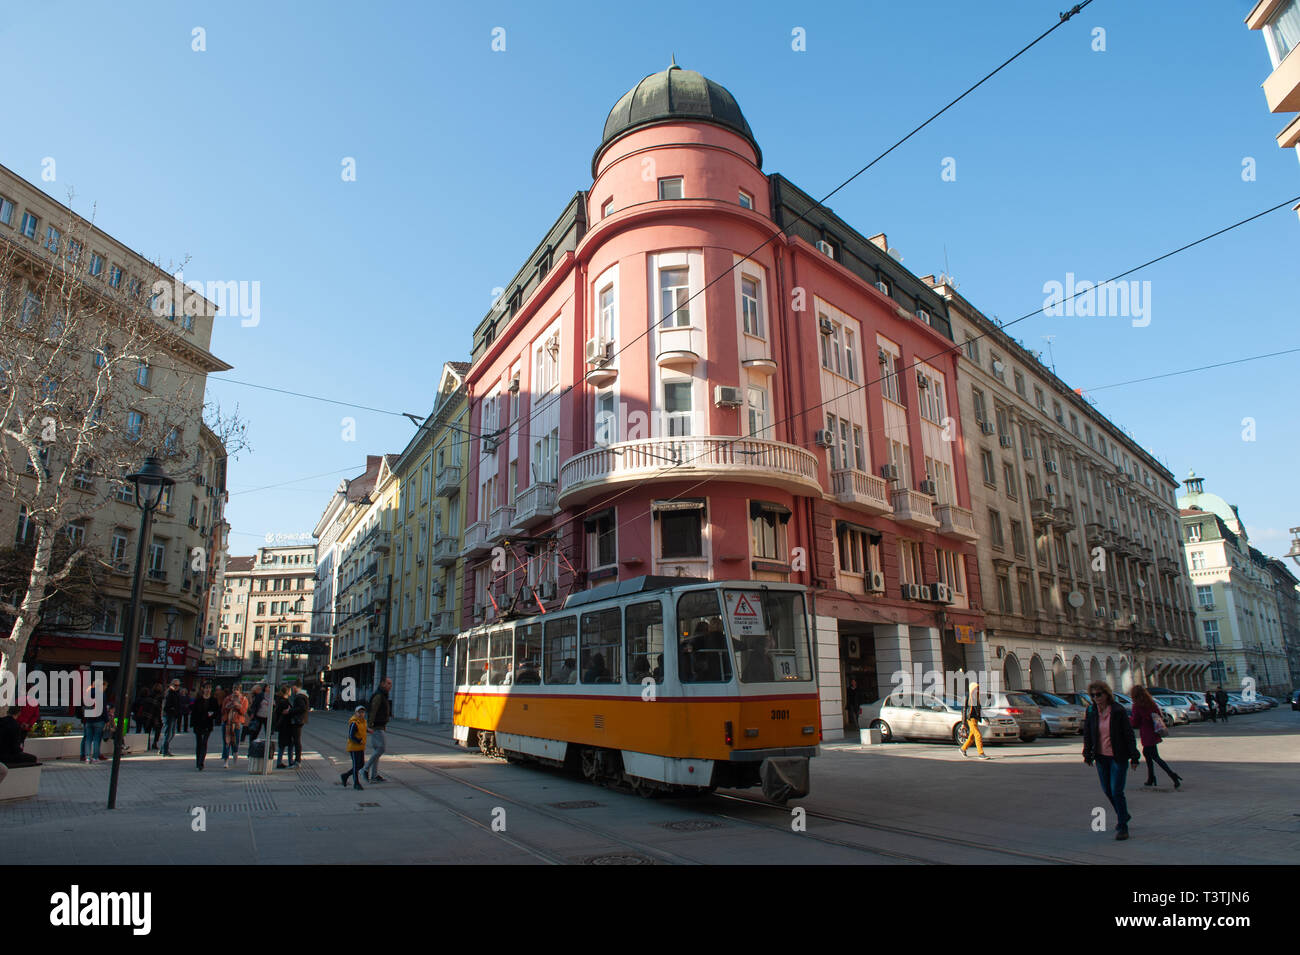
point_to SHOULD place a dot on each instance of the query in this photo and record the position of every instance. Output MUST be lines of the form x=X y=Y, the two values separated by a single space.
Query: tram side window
x=602 y=646
x=645 y=642
x=528 y=653
x=702 y=655
x=478 y=659
x=562 y=650
x=499 y=668
x=462 y=661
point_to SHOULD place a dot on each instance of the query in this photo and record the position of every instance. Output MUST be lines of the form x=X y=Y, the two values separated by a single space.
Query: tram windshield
x=769 y=632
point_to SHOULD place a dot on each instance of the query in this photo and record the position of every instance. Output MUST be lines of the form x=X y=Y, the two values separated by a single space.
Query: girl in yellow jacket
x=356 y=748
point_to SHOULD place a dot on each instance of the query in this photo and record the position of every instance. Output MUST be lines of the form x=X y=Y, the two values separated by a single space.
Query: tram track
x=783 y=827
x=636 y=848
x=905 y=832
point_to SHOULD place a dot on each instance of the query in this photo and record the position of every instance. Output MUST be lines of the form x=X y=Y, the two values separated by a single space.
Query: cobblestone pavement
x=904 y=803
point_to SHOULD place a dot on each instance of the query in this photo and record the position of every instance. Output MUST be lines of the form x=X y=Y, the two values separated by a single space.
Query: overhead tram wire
x=1188 y=371
x=605 y=502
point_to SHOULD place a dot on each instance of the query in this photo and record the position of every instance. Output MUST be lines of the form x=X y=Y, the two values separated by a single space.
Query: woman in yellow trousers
x=970 y=714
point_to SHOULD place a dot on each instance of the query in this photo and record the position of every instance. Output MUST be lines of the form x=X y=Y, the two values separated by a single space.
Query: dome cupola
x=675 y=95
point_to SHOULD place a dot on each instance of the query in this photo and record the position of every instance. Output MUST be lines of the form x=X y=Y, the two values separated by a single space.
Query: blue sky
x=1070 y=160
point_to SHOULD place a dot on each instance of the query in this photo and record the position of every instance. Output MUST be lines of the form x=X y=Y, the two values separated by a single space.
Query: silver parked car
x=1020 y=706
x=1195 y=707
x=1173 y=709
x=1062 y=717
x=915 y=716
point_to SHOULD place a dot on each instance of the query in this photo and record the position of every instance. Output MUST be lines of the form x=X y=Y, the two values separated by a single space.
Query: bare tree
x=92 y=379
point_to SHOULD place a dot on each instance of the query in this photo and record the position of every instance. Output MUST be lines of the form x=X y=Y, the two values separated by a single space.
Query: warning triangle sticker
x=743 y=608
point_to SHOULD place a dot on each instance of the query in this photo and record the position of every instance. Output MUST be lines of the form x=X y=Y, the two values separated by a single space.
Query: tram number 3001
x=780 y=714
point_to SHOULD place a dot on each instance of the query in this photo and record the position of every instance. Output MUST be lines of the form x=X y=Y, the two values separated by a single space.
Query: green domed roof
x=675 y=95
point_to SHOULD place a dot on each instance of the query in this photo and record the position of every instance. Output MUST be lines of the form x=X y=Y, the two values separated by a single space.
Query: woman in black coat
x=203 y=717
x=280 y=723
x=1113 y=750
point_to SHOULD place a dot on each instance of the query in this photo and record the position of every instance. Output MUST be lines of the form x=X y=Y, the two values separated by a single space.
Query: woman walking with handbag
x=1146 y=719
x=233 y=712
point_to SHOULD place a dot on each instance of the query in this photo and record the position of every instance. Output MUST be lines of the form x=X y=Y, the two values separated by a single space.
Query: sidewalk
x=288 y=816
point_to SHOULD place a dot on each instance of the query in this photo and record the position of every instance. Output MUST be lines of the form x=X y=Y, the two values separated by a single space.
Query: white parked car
x=917 y=717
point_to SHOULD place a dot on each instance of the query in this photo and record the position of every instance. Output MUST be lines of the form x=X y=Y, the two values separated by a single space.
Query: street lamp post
x=171 y=613
x=151 y=481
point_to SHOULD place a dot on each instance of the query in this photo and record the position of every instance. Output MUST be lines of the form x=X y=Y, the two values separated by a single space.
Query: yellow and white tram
x=657 y=683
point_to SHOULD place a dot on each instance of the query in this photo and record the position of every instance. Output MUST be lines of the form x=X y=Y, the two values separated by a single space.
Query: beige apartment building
x=266 y=597
x=363 y=579
x=1080 y=556
x=1241 y=605
x=426 y=564
x=37 y=235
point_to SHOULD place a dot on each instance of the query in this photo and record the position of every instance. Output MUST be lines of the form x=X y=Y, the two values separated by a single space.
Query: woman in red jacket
x=1145 y=710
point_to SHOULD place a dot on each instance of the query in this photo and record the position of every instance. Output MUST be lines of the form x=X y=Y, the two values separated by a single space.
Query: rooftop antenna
x=1049 y=339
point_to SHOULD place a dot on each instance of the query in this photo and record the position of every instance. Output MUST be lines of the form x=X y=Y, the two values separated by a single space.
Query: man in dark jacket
x=11 y=741
x=171 y=708
x=1210 y=705
x=1221 y=698
x=377 y=716
x=299 y=709
x=204 y=714
x=1108 y=740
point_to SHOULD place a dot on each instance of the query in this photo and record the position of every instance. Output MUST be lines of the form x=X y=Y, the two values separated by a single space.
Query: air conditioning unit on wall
x=599 y=351
x=727 y=397
x=876 y=582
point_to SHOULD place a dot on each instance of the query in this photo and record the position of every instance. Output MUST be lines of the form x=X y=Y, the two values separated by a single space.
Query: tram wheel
x=590 y=765
x=644 y=789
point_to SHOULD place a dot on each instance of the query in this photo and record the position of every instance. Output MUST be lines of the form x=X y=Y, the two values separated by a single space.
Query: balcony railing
x=1040 y=511
x=476 y=538
x=862 y=491
x=445 y=551
x=772 y=463
x=535 y=505
x=956 y=521
x=501 y=522
x=442 y=624
x=447 y=483
x=913 y=508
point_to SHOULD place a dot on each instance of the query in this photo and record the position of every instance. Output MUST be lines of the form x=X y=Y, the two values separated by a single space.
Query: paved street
x=898 y=804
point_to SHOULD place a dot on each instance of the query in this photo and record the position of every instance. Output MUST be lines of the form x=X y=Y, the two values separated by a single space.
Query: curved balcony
x=861 y=491
x=445 y=551
x=535 y=504
x=476 y=539
x=654 y=460
x=956 y=521
x=914 y=508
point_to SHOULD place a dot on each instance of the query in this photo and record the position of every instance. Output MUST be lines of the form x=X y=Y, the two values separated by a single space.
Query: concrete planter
x=870 y=737
x=48 y=748
x=21 y=783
